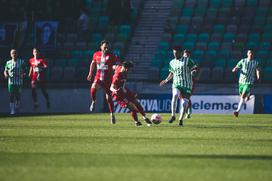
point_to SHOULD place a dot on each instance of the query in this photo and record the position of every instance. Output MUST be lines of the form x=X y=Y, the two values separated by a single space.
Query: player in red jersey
x=103 y=60
x=37 y=75
x=123 y=96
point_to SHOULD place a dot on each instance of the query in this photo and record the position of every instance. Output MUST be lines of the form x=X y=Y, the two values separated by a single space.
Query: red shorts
x=104 y=85
x=123 y=98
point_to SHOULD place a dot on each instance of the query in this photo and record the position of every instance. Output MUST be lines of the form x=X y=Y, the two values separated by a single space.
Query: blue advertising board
x=268 y=104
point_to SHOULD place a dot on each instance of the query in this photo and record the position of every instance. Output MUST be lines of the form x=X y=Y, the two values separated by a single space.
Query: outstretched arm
x=258 y=74
x=169 y=77
x=89 y=77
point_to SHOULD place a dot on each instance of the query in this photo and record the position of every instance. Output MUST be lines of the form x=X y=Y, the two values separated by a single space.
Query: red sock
x=110 y=104
x=93 y=94
x=134 y=115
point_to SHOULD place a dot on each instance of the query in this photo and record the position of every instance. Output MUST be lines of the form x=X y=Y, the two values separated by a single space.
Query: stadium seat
x=267 y=78
x=181 y=29
x=217 y=74
x=164 y=72
x=211 y=12
x=201 y=46
x=69 y=74
x=215 y=3
x=229 y=37
x=213 y=45
x=230 y=77
x=187 y=12
x=252 y=3
x=204 y=74
x=227 y=3
x=191 y=37
x=203 y=37
x=60 y=62
x=220 y=62
x=219 y=28
x=56 y=74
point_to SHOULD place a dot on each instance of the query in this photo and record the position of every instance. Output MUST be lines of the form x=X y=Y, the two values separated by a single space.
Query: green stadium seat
x=77 y=53
x=220 y=62
x=74 y=62
x=267 y=75
x=267 y=37
x=259 y=21
x=164 y=72
x=227 y=3
x=125 y=29
x=211 y=55
x=254 y=37
x=252 y=45
x=163 y=45
x=178 y=38
x=231 y=63
x=224 y=53
x=252 y=3
x=69 y=74
x=219 y=28
x=203 y=37
x=229 y=37
x=103 y=22
x=96 y=38
x=56 y=74
x=215 y=3
x=201 y=46
x=199 y=54
x=191 y=37
x=224 y=12
x=217 y=74
x=178 y=3
x=60 y=62
x=181 y=29
x=264 y=45
x=204 y=74
x=211 y=12
x=189 y=45
x=262 y=11
x=200 y=12
x=268 y=28
x=187 y=12
x=202 y=3
x=239 y=46
x=213 y=46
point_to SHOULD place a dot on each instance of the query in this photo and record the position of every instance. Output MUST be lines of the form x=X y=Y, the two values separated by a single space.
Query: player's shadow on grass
x=219 y=157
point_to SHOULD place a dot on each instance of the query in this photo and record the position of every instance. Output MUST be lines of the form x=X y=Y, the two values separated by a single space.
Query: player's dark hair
x=177 y=48
x=104 y=41
x=187 y=51
x=128 y=64
x=250 y=49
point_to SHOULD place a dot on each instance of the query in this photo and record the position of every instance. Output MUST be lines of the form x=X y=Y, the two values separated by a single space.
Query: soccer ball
x=156 y=118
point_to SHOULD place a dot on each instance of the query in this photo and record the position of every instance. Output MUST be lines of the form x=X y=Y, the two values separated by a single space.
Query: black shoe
x=36 y=105
x=173 y=118
x=235 y=114
x=180 y=122
x=148 y=122
x=138 y=123
x=113 y=121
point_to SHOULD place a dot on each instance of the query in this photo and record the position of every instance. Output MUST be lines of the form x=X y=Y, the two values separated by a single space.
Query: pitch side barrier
x=201 y=104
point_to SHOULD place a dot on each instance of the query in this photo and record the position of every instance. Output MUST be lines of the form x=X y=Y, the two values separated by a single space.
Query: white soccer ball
x=156 y=118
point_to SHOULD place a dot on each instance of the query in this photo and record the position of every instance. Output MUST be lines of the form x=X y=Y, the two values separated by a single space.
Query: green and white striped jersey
x=247 y=70
x=15 y=70
x=181 y=69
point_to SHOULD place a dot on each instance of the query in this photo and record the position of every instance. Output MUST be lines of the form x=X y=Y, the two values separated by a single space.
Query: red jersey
x=119 y=78
x=104 y=65
x=37 y=68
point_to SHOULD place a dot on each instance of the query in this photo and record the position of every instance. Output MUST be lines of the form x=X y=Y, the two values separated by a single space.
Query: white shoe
x=12 y=112
x=92 y=106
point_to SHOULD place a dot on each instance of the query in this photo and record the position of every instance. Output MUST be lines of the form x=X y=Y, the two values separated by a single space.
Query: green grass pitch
x=88 y=147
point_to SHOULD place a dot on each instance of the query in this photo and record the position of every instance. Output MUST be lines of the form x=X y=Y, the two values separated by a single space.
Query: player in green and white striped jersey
x=14 y=72
x=180 y=69
x=249 y=69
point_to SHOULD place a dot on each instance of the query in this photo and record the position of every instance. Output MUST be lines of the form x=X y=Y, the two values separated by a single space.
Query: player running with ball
x=123 y=96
